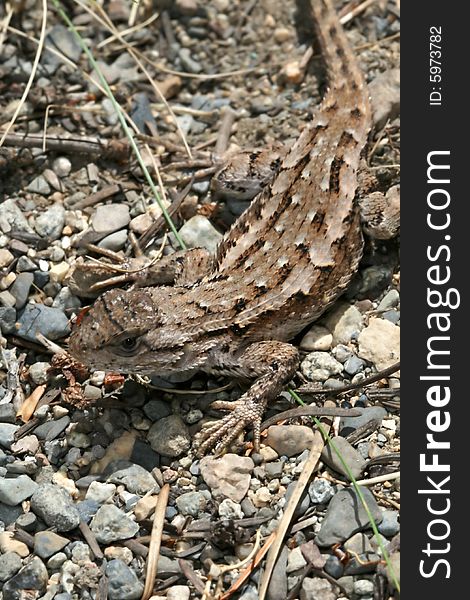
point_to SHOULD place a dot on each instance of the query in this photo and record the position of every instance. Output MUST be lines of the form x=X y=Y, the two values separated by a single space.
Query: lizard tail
x=339 y=59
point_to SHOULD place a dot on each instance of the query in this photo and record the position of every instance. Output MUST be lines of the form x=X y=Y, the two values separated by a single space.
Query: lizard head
x=113 y=334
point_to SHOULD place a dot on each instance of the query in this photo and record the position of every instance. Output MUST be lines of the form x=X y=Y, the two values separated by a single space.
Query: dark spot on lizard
x=109 y=314
x=356 y=113
x=334 y=174
x=240 y=304
x=302 y=247
x=236 y=329
x=346 y=139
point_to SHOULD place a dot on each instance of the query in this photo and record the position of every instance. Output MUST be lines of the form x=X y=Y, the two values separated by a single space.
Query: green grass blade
x=120 y=113
x=357 y=488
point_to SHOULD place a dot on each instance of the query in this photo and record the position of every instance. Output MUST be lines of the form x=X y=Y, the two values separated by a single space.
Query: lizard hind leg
x=380 y=210
x=272 y=364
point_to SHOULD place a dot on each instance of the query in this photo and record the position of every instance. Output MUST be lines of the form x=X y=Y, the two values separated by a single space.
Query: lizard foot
x=220 y=435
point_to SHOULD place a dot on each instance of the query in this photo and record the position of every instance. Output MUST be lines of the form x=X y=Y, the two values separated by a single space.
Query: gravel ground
x=83 y=456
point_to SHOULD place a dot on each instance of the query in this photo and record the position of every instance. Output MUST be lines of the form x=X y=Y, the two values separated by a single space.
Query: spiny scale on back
x=297 y=246
x=285 y=260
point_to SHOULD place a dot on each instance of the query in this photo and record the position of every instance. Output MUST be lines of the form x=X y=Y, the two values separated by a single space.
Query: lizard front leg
x=184 y=267
x=272 y=364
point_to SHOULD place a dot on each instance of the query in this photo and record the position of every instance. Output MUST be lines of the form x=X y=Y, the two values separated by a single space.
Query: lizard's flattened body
x=283 y=262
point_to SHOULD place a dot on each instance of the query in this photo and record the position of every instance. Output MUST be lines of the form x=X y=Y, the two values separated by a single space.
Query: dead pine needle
x=155 y=541
x=309 y=467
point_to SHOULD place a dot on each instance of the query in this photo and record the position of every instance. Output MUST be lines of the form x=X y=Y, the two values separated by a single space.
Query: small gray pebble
x=114 y=241
x=334 y=567
x=193 y=503
x=54 y=563
x=55 y=506
x=187 y=62
x=37 y=318
x=14 y=490
x=20 y=288
x=7 y=432
x=135 y=478
x=27 y=521
x=392 y=315
x=38 y=372
x=10 y=564
x=39 y=186
x=341 y=353
x=25 y=264
x=7 y=413
x=50 y=223
x=390 y=300
x=123 y=583
x=32 y=577
x=390 y=525
x=111 y=524
x=321 y=491
x=364 y=587
x=353 y=365
x=62 y=166
x=7 y=320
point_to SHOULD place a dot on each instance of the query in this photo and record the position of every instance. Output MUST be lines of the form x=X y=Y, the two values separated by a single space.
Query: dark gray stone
x=32 y=577
x=9 y=514
x=51 y=429
x=334 y=567
x=7 y=413
x=55 y=507
x=50 y=223
x=321 y=491
x=87 y=509
x=7 y=320
x=354 y=365
x=123 y=583
x=64 y=40
x=47 y=543
x=349 y=455
x=390 y=525
x=346 y=515
x=37 y=318
x=41 y=278
x=7 y=432
x=111 y=524
x=157 y=409
x=25 y=264
x=14 y=490
x=349 y=424
x=135 y=478
x=20 y=288
x=10 y=564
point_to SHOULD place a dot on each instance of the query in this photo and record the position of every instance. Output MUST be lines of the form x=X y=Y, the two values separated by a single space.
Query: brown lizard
x=281 y=265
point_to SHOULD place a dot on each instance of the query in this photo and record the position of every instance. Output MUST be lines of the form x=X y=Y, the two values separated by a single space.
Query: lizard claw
x=220 y=435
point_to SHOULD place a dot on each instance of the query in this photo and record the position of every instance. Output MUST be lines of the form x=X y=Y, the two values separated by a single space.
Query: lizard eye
x=129 y=345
